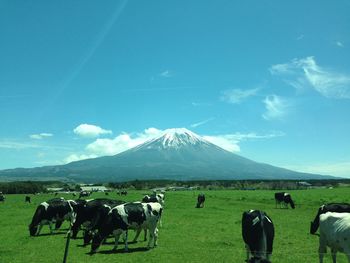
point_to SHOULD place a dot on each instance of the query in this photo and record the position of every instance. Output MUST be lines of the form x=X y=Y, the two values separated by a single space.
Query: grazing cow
x=27 y=199
x=283 y=199
x=53 y=211
x=2 y=197
x=155 y=198
x=84 y=194
x=87 y=213
x=129 y=216
x=258 y=234
x=124 y=192
x=331 y=207
x=334 y=233
x=200 y=201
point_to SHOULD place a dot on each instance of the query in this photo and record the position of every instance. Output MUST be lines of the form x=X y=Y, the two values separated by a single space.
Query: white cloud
x=90 y=131
x=166 y=74
x=306 y=73
x=226 y=142
x=16 y=145
x=276 y=107
x=40 y=136
x=230 y=142
x=122 y=142
x=236 y=96
x=77 y=157
x=339 y=44
x=194 y=125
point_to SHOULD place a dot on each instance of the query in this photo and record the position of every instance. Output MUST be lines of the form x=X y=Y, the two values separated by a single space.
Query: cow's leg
x=145 y=234
x=152 y=230
x=126 y=249
x=156 y=237
x=247 y=250
x=39 y=229
x=50 y=226
x=334 y=255
x=116 y=239
x=138 y=231
x=322 y=248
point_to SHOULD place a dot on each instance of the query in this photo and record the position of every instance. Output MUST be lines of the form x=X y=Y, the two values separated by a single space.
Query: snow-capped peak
x=179 y=136
x=174 y=138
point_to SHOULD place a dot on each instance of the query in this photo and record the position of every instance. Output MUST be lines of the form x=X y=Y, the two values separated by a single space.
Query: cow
x=124 y=192
x=200 y=201
x=331 y=207
x=27 y=199
x=334 y=233
x=88 y=213
x=154 y=198
x=258 y=233
x=283 y=199
x=52 y=211
x=135 y=215
x=84 y=194
x=2 y=197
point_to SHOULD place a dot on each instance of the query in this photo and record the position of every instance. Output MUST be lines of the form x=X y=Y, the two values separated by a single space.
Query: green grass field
x=211 y=234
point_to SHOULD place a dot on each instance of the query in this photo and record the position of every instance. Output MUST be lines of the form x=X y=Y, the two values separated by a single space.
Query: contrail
x=88 y=55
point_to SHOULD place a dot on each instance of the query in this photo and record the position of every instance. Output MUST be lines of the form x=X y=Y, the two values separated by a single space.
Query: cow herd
x=102 y=217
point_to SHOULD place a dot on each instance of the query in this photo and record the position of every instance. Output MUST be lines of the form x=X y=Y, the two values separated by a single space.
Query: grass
x=211 y=234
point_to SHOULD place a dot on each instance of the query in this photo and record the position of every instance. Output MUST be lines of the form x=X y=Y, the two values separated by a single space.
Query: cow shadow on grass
x=53 y=234
x=120 y=251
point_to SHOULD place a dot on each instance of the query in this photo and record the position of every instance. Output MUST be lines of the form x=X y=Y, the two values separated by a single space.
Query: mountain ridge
x=177 y=154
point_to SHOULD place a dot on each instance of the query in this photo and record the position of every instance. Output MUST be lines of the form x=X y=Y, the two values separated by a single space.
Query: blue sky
x=268 y=80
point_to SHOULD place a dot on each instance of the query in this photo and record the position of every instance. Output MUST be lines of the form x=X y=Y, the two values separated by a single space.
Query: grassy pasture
x=211 y=234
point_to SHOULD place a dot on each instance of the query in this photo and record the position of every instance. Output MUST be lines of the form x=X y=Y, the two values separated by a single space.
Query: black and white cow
x=154 y=198
x=88 y=212
x=53 y=211
x=283 y=199
x=129 y=216
x=84 y=194
x=258 y=233
x=2 y=197
x=331 y=207
x=27 y=199
x=334 y=233
x=200 y=201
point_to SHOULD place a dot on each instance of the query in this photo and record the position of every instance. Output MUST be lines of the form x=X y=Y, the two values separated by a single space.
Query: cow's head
x=313 y=227
x=33 y=229
x=88 y=235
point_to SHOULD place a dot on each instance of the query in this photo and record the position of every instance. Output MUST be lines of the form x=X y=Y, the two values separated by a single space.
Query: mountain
x=178 y=154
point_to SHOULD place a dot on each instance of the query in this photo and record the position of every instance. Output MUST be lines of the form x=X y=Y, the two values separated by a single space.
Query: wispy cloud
x=194 y=125
x=236 y=96
x=339 y=44
x=341 y=169
x=276 y=107
x=307 y=73
x=230 y=142
x=90 y=131
x=7 y=144
x=167 y=74
x=40 y=136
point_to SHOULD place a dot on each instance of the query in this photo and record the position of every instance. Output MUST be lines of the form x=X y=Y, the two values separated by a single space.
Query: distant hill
x=178 y=154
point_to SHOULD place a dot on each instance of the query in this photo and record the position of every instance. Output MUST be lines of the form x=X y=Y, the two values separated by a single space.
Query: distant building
x=95 y=188
x=304 y=184
x=55 y=189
